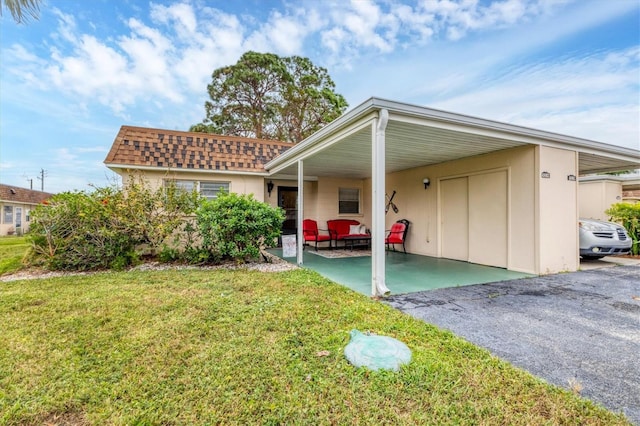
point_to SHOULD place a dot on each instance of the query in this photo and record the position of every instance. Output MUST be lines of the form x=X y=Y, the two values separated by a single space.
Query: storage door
x=455 y=218
x=488 y=219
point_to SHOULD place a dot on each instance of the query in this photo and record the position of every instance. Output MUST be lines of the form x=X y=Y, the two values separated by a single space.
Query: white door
x=474 y=218
x=488 y=219
x=18 y=218
x=454 y=218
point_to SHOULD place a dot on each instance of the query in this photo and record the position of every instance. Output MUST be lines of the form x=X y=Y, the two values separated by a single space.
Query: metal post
x=378 y=182
x=300 y=209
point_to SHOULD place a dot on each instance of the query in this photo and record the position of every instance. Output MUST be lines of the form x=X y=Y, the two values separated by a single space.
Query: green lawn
x=238 y=347
x=12 y=249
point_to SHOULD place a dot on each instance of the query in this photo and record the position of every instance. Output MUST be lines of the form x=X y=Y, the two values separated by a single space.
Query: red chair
x=397 y=234
x=311 y=232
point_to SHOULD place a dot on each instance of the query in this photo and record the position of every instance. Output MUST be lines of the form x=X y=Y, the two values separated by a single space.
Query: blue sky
x=69 y=80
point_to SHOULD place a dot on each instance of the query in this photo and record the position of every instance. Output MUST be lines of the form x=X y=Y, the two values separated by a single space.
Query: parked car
x=599 y=239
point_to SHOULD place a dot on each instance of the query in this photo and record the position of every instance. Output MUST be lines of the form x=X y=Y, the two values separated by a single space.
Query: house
x=205 y=162
x=498 y=194
x=599 y=192
x=16 y=204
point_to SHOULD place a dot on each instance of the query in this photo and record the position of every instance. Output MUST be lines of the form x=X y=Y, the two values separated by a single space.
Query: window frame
x=181 y=184
x=342 y=201
x=7 y=210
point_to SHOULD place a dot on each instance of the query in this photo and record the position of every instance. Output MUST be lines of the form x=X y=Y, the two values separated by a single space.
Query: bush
x=237 y=226
x=628 y=215
x=106 y=228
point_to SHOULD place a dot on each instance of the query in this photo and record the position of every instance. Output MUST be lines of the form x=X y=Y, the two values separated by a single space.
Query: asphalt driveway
x=579 y=329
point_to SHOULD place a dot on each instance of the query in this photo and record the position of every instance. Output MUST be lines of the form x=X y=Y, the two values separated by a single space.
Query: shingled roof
x=15 y=194
x=157 y=148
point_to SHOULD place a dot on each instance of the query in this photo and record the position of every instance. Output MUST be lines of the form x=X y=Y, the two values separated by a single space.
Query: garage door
x=474 y=218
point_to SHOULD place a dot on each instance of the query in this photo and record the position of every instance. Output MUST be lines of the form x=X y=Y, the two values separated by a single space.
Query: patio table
x=357 y=241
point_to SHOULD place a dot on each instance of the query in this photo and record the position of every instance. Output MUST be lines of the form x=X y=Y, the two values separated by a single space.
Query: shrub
x=106 y=228
x=629 y=216
x=237 y=226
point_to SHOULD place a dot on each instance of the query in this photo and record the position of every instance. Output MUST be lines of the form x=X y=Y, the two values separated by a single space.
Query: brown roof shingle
x=16 y=194
x=139 y=146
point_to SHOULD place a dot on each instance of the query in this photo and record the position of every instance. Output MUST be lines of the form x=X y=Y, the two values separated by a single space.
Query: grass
x=240 y=347
x=12 y=250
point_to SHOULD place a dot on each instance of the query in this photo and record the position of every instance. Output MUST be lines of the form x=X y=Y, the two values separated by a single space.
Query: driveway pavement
x=581 y=327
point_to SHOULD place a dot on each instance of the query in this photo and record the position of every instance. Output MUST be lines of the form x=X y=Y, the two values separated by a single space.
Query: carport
x=499 y=195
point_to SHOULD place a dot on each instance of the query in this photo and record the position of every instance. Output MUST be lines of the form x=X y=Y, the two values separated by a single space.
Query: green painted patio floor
x=406 y=273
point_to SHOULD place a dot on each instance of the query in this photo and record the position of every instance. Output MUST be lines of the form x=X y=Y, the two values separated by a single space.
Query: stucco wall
x=557 y=210
x=241 y=184
x=421 y=207
x=597 y=196
x=327 y=201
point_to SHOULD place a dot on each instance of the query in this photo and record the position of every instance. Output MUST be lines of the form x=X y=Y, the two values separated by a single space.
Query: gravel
x=273 y=264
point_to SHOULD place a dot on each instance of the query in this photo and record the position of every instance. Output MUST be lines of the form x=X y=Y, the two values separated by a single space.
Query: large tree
x=269 y=97
x=21 y=9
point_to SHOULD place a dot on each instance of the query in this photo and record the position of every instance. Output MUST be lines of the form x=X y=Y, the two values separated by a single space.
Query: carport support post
x=378 y=176
x=300 y=209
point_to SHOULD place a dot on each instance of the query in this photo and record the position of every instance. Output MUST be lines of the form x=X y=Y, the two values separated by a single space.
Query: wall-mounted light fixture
x=572 y=178
x=426 y=182
x=269 y=188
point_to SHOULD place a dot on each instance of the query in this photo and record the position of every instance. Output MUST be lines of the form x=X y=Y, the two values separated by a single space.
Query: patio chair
x=311 y=232
x=397 y=234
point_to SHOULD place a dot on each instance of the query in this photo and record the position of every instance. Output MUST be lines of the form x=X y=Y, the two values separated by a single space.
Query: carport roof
x=419 y=136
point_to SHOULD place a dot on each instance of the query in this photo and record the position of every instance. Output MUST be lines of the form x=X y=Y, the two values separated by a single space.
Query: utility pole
x=28 y=179
x=43 y=173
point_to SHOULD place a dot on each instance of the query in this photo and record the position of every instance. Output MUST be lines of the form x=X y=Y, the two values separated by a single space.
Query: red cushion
x=317 y=237
x=396 y=234
x=340 y=227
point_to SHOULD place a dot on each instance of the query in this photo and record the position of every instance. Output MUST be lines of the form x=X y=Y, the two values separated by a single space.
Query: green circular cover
x=376 y=352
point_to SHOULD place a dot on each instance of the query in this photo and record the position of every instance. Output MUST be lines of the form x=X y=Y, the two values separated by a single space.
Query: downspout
x=378 y=182
x=300 y=217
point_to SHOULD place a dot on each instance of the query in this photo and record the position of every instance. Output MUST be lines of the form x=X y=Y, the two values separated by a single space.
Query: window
x=185 y=185
x=18 y=217
x=207 y=189
x=348 y=201
x=210 y=190
x=28 y=214
x=7 y=216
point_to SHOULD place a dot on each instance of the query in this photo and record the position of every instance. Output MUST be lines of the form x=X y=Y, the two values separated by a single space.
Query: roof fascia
x=398 y=110
x=116 y=167
x=28 y=203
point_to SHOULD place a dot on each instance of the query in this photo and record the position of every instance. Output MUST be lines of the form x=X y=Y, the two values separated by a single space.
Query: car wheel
x=591 y=257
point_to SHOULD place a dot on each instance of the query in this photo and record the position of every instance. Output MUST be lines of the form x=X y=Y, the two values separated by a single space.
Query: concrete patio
x=406 y=273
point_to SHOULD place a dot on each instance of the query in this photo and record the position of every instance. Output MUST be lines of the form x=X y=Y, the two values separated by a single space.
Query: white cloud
x=594 y=97
x=163 y=62
x=168 y=59
x=99 y=149
x=5 y=165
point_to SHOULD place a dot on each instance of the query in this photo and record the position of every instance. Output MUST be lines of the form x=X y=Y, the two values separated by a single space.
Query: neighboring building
x=15 y=206
x=631 y=189
x=599 y=192
x=499 y=195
